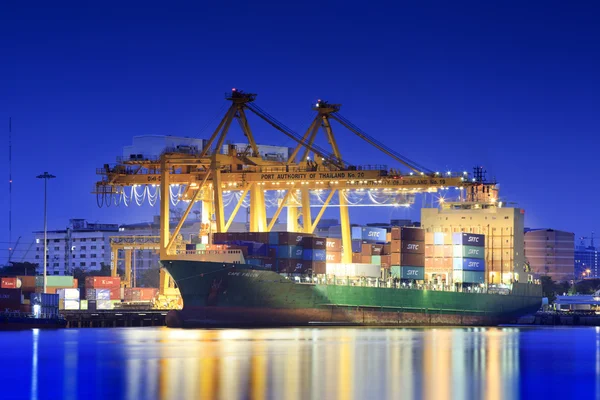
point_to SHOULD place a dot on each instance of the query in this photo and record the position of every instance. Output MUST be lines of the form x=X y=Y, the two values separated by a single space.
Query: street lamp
x=45 y=176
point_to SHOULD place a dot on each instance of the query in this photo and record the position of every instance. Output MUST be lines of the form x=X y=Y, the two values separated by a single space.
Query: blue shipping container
x=293 y=252
x=469 y=264
x=253 y=261
x=314 y=255
x=356 y=233
x=468 y=239
x=357 y=246
x=416 y=273
x=373 y=235
x=273 y=237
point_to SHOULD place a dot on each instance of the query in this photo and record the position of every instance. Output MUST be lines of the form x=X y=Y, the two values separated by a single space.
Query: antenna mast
x=10 y=249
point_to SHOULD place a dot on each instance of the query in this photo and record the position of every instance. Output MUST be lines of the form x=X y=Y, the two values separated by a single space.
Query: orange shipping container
x=365 y=259
x=386 y=261
x=396 y=246
x=428 y=263
x=75 y=283
x=356 y=258
x=333 y=244
x=429 y=238
x=366 y=249
x=395 y=233
x=27 y=282
x=333 y=257
x=102 y=282
x=428 y=250
x=448 y=251
x=140 y=294
x=448 y=263
x=438 y=251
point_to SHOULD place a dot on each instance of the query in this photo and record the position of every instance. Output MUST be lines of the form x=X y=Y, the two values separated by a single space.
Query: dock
x=114 y=318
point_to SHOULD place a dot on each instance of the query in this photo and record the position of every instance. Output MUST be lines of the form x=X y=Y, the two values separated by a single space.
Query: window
x=37 y=248
x=55 y=264
x=82 y=248
x=82 y=256
x=93 y=256
x=102 y=247
x=55 y=273
x=93 y=263
x=56 y=240
x=93 y=239
x=56 y=248
x=37 y=256
x=82 y=239
x=93 y=247
x=73 y=255
x=82 y=264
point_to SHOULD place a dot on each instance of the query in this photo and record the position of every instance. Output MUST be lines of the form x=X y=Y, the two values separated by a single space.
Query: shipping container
x=468 y=239
x=439 y=238
x=27 y=282
x=395 y=246
x=429 y=248
x=438 y=251
x=354 y=270
x=140 y=294
x=469 y=251
x=387 y=249
x=369 y=234
x=10 y=299
x=315 y=243
x=269 y=264
x=448 y=263
x=102 y=282
x=291 y=238
x=115 y=293
x=469 y=264
x=333 y=244
x=429 y=238
x=68 y=304
x=319 y=268
x=91 y=305
x=448 y=251
x=83 y=304
x=56 y=281
x=290 y=252
x=10 y=283
x=314 y=255
x=407 y=272
x=104 y=305
x=333 y=257
x=462 y=276
x=97 y=294
x=376 y=249
x=68 y=294
x=356 y=258
x=376 y=260
x=287 y=265
x=365 y=259
x=417 y=260
x=366 y=249
x=407 y=233
x=429 y=263
x=357 y=246
x=386 y=261
x=44 y=299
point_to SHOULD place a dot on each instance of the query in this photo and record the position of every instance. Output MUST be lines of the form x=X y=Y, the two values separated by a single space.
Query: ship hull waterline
x=235 y=295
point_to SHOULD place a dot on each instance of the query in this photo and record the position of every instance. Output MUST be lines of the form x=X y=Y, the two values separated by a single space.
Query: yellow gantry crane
x=207 y=174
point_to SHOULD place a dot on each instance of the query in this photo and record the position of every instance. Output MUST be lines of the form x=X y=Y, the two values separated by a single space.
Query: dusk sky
x=512 y=86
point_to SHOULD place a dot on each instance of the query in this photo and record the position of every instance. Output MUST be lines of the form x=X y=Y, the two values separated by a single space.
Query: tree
x=19 y=268
x=548 y=288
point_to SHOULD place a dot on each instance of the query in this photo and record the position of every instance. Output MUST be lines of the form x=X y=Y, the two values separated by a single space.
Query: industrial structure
x=310 y=171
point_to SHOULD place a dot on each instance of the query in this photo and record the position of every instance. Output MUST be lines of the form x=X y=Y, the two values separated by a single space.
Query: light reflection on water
x=295 y=364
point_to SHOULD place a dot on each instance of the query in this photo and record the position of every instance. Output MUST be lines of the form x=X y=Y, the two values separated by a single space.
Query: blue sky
x=512 y=86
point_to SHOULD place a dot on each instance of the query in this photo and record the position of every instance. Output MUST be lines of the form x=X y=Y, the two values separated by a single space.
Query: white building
x=81 y=245
x=267 y=152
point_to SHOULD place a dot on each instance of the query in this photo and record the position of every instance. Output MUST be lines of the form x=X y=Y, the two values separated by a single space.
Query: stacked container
x=113 y=285
x=469 y=258
x=407 y=249
x=53 y=283
x=10 y=283
x=140 y=294
x=333 y=253
x=10 y=299
x=439 y=255
x=68 y=299
x=354 y=270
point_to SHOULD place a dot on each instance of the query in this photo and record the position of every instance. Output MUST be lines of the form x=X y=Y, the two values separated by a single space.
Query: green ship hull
x=223 y=294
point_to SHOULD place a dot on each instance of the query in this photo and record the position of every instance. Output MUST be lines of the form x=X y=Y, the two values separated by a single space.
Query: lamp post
x=45 y=176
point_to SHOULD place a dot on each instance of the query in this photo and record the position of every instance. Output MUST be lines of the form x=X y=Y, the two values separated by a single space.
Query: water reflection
x=340 y=363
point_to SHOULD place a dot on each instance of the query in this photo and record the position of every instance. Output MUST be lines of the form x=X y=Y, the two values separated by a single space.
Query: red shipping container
x=10 y=299
x=9 y=283
x=376 y=249
x=102 y=282
x=428 y=250
x=75 y=283
x=333 y=257
x=366 y=249
x=140 y=294
x=115 y=293
x=319 y=268
x=395 y=246
x=356 y=258
x=386 y=261
x=27 y=282
x=365 y=260
x=387 y=250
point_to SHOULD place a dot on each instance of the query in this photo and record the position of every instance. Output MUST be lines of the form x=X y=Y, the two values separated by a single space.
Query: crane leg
x=345 y=227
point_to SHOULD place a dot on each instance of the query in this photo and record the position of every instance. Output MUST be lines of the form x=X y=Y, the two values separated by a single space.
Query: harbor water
x=301 y=363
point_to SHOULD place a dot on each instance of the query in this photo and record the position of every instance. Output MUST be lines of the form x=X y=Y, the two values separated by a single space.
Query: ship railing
x=394 y=284
x=209 y=252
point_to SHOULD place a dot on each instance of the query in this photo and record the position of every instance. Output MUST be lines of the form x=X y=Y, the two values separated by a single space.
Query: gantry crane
x=206 y=174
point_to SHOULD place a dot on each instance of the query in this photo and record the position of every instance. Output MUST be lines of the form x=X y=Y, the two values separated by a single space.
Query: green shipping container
x=461 y=276
x=83 y=304
x=406 y=272
x=461 y=251
x=200 y=246
x=54 y=281
x=376 y=260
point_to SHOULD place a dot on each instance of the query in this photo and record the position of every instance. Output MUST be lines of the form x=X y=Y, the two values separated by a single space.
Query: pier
x=114 y=318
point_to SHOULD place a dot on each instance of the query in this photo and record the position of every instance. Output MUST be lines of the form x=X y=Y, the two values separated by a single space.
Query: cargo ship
x=228 y=287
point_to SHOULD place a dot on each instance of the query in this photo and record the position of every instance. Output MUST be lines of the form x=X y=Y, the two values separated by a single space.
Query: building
x=586 y=258
x=550 y=252
x=149 y=147
x=81 y=245
x=265 y=151
x=504 y=236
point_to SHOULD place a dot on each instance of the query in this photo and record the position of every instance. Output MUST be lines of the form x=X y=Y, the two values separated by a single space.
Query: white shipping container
x=353 y=270
x=71 y=304
x=68 y=294
x=104 y=305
